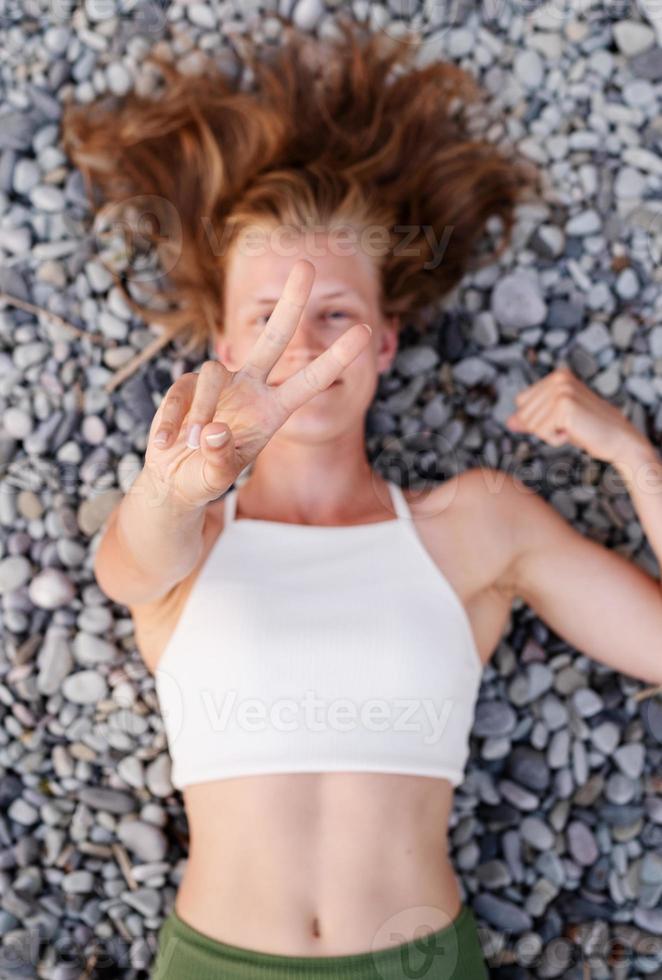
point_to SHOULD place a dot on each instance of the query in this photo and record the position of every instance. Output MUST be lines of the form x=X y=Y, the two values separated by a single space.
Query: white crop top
x=307 y=648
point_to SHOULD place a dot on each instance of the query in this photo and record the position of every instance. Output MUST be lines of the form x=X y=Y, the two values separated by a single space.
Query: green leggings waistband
x=451 y=953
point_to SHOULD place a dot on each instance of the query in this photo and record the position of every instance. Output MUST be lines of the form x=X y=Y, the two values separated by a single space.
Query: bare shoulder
x=482 y=508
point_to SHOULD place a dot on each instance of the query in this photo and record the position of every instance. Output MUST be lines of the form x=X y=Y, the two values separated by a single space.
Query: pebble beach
x=556 y=833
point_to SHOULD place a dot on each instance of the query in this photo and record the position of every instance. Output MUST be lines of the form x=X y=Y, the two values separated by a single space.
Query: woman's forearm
x=162 y=535
x=641 y=468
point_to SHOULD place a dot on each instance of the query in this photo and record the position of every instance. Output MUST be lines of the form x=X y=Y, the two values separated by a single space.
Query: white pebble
x=98 y=10
x=639 y=92
x=26 y=176
x=202 y=15
x=51 y=588
x=308 y=14
x=529 y=69
x=119 y=78
x=15 y=240
x=460 y=42
x=45 y=197
x=15 y=571
x=632 y=37
x=56 y=39
x=627 y=284
x=586 y=223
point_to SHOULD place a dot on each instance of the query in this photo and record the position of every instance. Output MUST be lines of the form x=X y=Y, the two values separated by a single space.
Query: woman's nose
x=309 y=334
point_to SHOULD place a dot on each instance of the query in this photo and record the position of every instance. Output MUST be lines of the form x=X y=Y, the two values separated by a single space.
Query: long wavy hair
x=325 y=132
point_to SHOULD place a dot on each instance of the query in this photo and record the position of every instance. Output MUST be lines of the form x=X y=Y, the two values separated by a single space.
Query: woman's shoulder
x=461 y=492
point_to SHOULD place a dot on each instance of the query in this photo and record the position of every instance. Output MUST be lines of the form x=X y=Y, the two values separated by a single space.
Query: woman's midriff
x=325 y=864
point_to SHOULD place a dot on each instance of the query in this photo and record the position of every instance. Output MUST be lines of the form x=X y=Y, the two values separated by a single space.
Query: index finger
x=283 y=321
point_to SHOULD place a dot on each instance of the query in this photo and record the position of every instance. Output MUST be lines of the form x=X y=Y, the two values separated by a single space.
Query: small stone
x=104 y=798
x=630 y=759
x=472 y=371
x=536 y=833
x=415 y=360
x=15 y=571
x=627 y=284
x=581 y=843
x=494 y=718
x=516 y=302
x=78 y=883
x=146 y=841
x=16 y=241
x=587 y=223
x=501 y=913
x=648 y=64
x=45 y=197
x=639 y=93
x=23 y=813
x=26 y=175
x=91 y=650
x=586 y=702
x=56 y=39
x=84 y=687
x=202 y=15
x=55 y=663
x=99 y=10
x=98 y=276
x=51 y=588
x=307 y=14
x=119 y=78
x=529 y=69
x=633 y=37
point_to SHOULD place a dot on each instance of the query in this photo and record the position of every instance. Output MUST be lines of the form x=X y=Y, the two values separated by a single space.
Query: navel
x=316 y=927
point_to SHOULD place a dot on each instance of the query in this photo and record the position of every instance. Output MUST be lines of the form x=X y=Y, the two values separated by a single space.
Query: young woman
x=317 y=634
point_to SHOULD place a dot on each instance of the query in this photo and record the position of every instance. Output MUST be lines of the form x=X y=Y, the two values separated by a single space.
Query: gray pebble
x=581 y=843
x=90 y=650
x=516 y=302
x=15 y=571
x=84 y=687
x=55 y=662
x=586 y=223
x=630 y=759
x=78 y=883
x=502 y=914
x=147 y=842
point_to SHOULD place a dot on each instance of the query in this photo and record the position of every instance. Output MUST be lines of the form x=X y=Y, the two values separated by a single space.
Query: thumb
x=219 y=461
x=215 y=437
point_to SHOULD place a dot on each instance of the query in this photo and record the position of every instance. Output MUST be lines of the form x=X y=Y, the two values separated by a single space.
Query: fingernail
x=193 y=437
x=161 y=437
x=368 y=327
x=217 y=438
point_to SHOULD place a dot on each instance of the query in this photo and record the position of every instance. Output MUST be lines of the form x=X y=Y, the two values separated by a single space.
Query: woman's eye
x=262 y=318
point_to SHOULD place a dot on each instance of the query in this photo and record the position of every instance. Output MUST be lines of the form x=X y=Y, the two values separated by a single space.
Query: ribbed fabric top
x=307 y=648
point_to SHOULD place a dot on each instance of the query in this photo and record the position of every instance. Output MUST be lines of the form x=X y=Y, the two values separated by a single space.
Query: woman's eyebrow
x=269 y=299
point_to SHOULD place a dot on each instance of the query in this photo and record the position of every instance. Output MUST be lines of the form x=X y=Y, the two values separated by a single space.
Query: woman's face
x=345 y=291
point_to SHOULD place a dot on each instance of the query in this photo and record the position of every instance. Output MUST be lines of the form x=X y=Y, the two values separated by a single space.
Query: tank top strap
x=229 y=506
x=400 y=505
